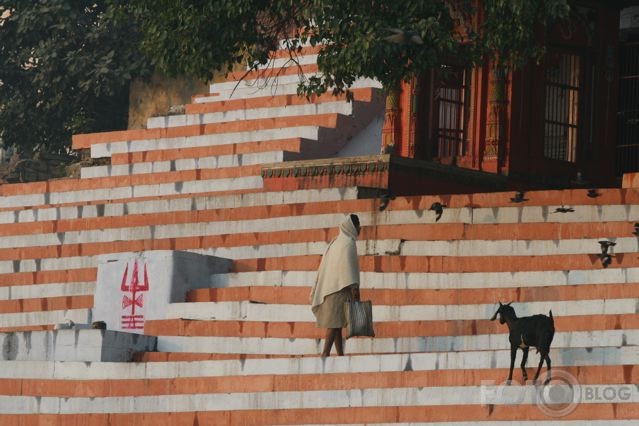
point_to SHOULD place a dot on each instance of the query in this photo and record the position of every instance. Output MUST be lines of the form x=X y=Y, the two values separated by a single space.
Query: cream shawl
x=339 y=267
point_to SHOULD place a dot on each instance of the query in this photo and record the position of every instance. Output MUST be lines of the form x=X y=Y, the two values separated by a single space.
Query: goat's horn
x=499 y=302
x=508 y=304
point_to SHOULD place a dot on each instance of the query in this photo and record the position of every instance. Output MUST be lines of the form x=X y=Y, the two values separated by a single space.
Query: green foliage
x=387 y=40
x=65 y=66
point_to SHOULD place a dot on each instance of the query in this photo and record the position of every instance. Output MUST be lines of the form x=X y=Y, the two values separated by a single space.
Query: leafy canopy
x=387 y=40
x=65 y=66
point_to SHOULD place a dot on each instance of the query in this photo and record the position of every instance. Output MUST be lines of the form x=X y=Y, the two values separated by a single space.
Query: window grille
x=561 y=119
x=450 y=111
x=628 y=110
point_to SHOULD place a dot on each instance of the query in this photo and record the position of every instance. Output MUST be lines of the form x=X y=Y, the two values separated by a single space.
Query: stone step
x=131 y=187
x=299 y=295
x=286 y=95
x=223 y=161
x=270 y=74
x=250 y=202
x=409 y=396
x=346 y=415
x=158 y=142
x=313 y=346
x=441 y=331
x=338 y=107
x=30 y=319
x=260 y=87
x=42 y=291
x=444 y=281
x=445 y=264
x=223 y=129
x=473 y=241
x=247 y=243
x=436 y=271
x=248 y=311
x=604 y=411
x=492 y=208
x=572 y=358
x=295 y=145
x=70 y=388
x=80 y=344
x=51 y=303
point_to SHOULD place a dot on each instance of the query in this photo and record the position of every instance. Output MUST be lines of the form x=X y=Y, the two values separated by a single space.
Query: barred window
x=561 y=119
x=450 y=111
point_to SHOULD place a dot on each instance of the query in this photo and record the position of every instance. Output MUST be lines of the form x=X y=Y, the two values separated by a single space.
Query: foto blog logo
x=558 y=398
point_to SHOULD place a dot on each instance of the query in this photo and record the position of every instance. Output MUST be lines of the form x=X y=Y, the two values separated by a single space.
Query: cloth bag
x=359 y=318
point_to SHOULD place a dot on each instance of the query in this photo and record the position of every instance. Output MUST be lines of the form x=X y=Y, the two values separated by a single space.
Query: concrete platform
x=84 y=345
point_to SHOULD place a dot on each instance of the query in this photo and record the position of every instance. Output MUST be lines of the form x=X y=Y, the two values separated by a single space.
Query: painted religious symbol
x=133 y=297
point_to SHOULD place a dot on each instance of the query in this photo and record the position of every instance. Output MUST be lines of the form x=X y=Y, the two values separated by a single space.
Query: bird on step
x=606 y=258
x=438 y=208
x=592 y=193
x=519 y=197
x=385 y=199
x=563 y=209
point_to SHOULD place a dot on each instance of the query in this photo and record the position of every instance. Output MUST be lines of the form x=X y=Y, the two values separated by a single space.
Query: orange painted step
x=408 y=232
x=47 y=277
x=349 y=415
x=403 y=297
x=359 y=95
x=322 y=120
x=590 y=375
x=433 y=264
x=445 y=264
x=46 y=304
x=291 y=145
x=271 y=73
x=64 y=185
x=133 y=199
x=42 y=327
x=308 y=330
x=489 y=200
x=200 y=356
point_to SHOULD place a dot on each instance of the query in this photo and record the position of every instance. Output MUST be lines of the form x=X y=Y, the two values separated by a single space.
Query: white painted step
x=211 y=162
x=32 y=291
x=428 y=280
x=371 y=397
x=99 y=150
x=305 y=222
x=260 y=87
x=197 y=202
x=307 y=346
x=471 y=360
x=395 y=247
x=21 y=319
x=338 y=107
x=289 y=61
x=247 y=311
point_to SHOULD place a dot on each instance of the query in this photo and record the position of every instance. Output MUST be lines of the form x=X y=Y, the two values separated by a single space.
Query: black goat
x=537 y=331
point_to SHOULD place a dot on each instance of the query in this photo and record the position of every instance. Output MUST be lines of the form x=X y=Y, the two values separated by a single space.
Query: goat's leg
x=548 y=369
x=542 y=357
x=513 y=355
x=523 y=363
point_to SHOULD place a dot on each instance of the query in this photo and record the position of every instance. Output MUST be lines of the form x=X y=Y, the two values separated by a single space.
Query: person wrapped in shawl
x=337 y=283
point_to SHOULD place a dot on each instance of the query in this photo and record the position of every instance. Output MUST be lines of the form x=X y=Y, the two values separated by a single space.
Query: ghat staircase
x=215 y=181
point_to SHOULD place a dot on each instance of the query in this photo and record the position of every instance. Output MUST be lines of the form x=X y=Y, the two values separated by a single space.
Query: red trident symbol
x=134 y=287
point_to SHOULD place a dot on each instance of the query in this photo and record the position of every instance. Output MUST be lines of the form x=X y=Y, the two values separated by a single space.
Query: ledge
x=389 y=173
